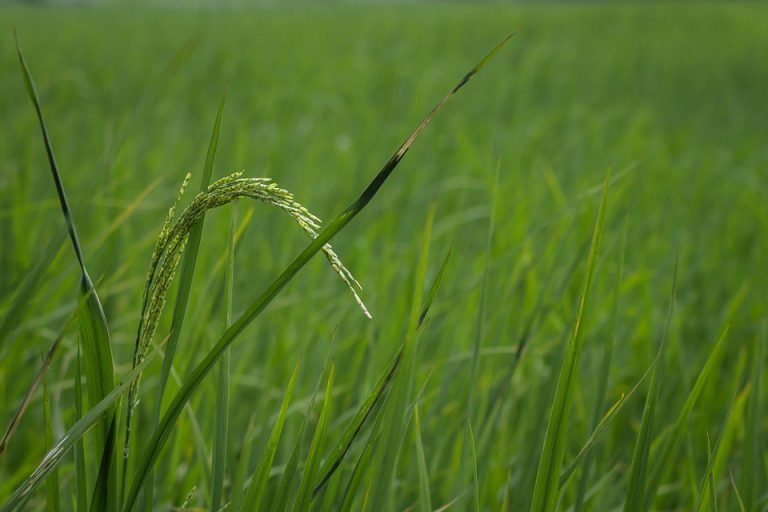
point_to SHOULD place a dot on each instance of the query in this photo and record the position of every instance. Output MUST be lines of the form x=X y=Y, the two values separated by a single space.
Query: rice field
x=565 y=274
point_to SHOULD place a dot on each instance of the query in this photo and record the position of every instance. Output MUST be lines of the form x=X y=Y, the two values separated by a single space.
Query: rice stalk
x=175 y=233
x=320 y=242
x=180 y=306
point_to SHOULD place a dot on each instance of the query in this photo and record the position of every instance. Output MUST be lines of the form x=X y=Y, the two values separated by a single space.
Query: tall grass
x=531 y=380
x=172 y=241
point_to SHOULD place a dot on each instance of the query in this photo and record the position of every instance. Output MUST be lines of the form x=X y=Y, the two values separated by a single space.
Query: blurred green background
x=671 y=96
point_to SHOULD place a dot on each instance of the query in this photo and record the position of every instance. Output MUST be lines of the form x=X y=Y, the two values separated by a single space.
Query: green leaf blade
x=546 y=488
x=255 y=491
x=304 y=496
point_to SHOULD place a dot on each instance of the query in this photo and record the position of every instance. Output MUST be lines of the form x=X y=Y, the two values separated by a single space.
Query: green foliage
x=514 y=170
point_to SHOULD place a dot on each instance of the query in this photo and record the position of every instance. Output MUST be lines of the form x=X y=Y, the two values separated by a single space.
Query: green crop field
x=567 y=273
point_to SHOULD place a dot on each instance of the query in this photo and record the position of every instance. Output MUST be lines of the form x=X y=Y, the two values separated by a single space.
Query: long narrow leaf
x=604 y=422
x=394 y=431
x=712 y=454
x=752 y=460
x=239 y=479
x=333 y=461
x=545 y=491
x=602 y=383
x=667 y=450
x=283 y=493
x=475 y=479
x=356 y=424
x=186 y=274
x=93 y=324
x=425 y=500
x=435 y=287
x=100 y=491
x=97 y=349
x=350 y=491
x=636 y=499
x=81 y=481
x=258 y=483
x=304 y=495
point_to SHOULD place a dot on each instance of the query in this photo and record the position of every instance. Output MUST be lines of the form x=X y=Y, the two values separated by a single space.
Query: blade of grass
x=222 y=384
x=186 y=274
x=666 y=452
x=737 y=493
x=99 y=499
x=53 y=498
x=255 y=491
x=751 y=460
x=350 y=491
x=451 y=503
x=94 y=333
x=356 y=424
x=636 y=499
x=81 y=479
x=97 y=349
x=545 y=493
x=161 y=433
x=283 y=492
x=151 y=94
x=480 y=317
x=201 y=449
x=425 y=500
x=304 y=496
x=712 y=454
x=507 y=490
x=241 y=473
x=475 y=480
x=435 y=287
x=353 y=429
x=393 y=433
x=604 y=422
x=602 y=379
x=712 y=489
x=730 y=432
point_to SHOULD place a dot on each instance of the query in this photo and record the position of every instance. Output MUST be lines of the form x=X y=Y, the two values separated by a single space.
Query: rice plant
x=166 y=256
x=533 y=334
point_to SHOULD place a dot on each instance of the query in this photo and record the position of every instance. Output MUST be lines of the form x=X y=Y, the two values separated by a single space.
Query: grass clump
x=174 y=236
